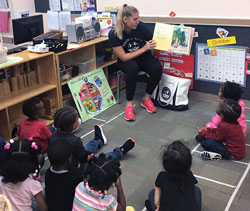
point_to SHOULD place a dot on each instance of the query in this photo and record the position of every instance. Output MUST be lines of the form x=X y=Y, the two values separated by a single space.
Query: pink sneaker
x=149 y=105
x=129 y=113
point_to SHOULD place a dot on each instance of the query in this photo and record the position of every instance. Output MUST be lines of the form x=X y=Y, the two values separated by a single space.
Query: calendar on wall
x=220 y=64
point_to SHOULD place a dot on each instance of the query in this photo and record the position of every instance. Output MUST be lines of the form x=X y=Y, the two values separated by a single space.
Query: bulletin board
x=206 y=32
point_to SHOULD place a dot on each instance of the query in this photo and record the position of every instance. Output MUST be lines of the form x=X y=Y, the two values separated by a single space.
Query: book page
x=163 y=36
x=173 y=38
x=181 y=39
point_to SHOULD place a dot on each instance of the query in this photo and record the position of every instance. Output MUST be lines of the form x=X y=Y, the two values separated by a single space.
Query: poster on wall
x=178 y=65
x=220 y=64
x=91 y=93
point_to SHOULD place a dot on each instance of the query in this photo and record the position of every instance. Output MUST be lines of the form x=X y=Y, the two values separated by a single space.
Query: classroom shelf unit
x=84 y=56
x=34 y=76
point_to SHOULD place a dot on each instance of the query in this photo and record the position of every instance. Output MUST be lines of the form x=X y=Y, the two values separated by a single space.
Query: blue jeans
x=151 y=196
x=94 y=145
x=216 y=146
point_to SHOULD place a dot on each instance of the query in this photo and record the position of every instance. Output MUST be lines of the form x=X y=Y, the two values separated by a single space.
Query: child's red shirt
x=38 y=130
x=231 y=135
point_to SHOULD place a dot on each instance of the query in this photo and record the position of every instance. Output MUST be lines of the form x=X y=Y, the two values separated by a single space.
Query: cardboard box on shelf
x=13 y=84
x=6 y=87
x=49 y=102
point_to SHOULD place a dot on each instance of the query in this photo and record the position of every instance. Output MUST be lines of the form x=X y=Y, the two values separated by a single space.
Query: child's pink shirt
x=20 y=194
x=216 y=120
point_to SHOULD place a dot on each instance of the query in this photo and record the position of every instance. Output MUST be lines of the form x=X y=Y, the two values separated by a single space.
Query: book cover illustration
x=177 y=39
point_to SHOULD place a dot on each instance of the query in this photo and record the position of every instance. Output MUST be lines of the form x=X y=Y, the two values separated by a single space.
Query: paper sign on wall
x=221 y=41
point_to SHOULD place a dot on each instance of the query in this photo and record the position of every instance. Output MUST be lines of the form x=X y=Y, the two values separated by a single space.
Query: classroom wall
x=186 y=8
x=15 y=6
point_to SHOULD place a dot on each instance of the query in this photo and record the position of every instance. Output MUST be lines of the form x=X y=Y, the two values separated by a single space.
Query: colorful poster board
x=178 y=65
x=91 y=93
x=220 y=64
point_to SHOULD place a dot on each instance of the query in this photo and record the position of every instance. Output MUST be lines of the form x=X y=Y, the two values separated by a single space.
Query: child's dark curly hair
x=230 y=111
x=177 y=159
x=102 y=172
x=59 y=152
x=65 y=118
x=30 y=107
x=231 y=90
x=21 y=161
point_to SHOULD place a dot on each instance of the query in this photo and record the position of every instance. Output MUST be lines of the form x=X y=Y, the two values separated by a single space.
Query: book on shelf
x=173 y=38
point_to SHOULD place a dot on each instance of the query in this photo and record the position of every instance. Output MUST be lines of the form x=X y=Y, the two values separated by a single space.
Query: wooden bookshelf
x=34 y=76
x=86 y=50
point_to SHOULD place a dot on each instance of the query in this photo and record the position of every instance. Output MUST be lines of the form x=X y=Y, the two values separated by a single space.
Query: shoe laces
x=149 y=103
x=129 y=109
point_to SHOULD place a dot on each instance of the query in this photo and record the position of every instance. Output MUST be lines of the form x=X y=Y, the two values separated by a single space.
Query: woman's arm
x=41 y=202
x=119 y=51
x=120 y=196
x=157 y=196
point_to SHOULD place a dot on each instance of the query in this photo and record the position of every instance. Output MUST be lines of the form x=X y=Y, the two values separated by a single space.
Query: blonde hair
x=124 y=11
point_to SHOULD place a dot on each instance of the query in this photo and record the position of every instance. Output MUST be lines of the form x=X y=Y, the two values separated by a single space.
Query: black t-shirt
x=133 y=41
x=174 y=196
x=79 y=154
x=60 y=189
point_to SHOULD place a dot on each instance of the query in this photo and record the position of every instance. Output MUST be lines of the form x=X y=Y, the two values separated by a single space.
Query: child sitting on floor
x=175 y=187
x=92 y=194
x=60 y=197
x=16 y=180
x=66 y=120
x=227 y=140
x=233 y=91
x=32 y=127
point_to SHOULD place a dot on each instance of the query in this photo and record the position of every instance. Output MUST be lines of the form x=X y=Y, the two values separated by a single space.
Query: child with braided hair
x=92 y=194
x=16 y=180
x=67 y=121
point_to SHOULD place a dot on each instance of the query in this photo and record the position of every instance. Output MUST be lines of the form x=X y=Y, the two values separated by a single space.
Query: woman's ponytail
x=124 y=11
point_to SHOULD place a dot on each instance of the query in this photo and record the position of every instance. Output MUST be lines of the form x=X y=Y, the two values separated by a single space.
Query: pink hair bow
x=34 y=146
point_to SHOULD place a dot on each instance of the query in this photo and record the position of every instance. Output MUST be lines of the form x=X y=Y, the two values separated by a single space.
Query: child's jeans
x=151 y=196
x=216 y=146
x=94 y=145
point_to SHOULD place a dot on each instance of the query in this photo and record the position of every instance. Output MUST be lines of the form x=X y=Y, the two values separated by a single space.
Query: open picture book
x=173 y=38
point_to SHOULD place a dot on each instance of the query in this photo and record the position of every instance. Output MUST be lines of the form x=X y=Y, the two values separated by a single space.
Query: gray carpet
x=222 y=182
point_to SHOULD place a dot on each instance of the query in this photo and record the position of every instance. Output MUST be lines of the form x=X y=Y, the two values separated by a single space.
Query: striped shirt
x=87 y=199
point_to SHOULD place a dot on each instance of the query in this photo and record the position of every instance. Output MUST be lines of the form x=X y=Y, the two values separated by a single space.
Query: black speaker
x=97 y=27
x=75 y=32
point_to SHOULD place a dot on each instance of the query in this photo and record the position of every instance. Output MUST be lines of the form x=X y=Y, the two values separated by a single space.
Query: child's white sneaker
x=210 y=155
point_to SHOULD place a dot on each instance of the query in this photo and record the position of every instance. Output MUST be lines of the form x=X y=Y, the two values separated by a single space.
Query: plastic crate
x=85 y=64
x=65 y=72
